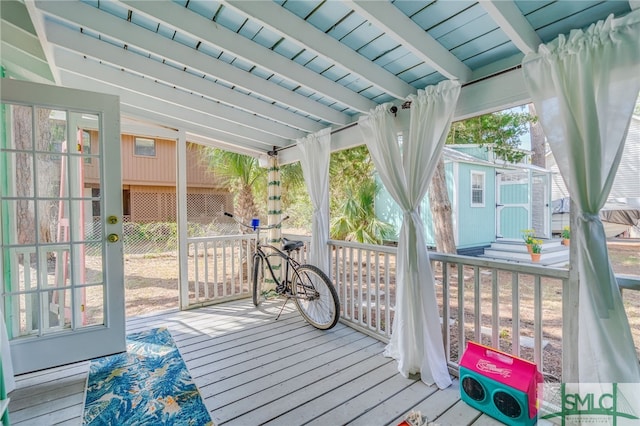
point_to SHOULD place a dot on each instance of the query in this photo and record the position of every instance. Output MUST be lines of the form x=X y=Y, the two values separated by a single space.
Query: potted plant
x=536 y=250
x=527 y=236
x=566 y=235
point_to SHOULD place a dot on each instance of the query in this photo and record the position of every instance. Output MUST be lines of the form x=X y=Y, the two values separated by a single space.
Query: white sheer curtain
x=315 y=150
x=416 y=340
x=584 y=88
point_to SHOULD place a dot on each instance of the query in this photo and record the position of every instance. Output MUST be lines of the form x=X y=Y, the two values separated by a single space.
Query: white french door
x=61 y=257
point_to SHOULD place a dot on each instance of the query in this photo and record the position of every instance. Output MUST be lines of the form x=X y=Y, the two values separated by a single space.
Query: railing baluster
x=378 y=293
x=446 y=331
x=537 y=321
x=196 y=279
x=352 y=316
x=206 y=270
x=216 y=271
x=387 y=297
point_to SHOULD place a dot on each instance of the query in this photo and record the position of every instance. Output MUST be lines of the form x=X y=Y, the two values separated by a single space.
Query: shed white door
x=513 y=203
x=61 y=259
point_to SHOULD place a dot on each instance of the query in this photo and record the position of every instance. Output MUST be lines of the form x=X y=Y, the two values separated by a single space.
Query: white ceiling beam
x=37 y=20
x=104 y=23
x=21 y=39
x=287 y=24
x=88 y=46
x=204 y=29
x=196 y=102
x=399 y=26
x=220 y=139
x=207 y=141
x=143 y=128
x=103 y=80
x=506 y=14
x=22 y=65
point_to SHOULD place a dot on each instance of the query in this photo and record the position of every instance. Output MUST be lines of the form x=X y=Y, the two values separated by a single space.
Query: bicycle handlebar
x=255 y=222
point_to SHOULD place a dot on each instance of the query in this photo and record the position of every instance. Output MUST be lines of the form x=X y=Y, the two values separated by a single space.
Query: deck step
x=553 y=252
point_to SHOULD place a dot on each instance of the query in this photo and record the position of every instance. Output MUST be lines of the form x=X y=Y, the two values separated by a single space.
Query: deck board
x=252 y=370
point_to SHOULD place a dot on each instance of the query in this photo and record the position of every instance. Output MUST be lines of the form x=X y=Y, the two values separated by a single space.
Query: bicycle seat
x=288 y=245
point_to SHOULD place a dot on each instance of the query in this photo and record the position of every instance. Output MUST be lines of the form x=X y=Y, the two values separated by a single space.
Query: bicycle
x=315 y=296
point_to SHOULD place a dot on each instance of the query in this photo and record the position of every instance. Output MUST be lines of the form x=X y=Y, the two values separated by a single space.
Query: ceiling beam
x=221 y=140
x=634 y=4
x=220 y=115
x=37 y=20
x=167 y=102
x=89 y=46
x=287 y=24
x=189 y=22
x=24 y=66
x=104 y=23
x=152 y=88
x=506 y=14
x=400 y=27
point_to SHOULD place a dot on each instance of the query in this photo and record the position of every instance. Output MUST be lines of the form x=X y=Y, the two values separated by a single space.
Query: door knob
x=112 y=238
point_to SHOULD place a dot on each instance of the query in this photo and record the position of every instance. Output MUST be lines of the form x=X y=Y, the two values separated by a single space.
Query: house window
x=477 y=189
x=145 y=147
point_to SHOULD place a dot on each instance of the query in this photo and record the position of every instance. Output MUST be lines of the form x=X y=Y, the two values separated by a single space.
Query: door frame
x=46 y=351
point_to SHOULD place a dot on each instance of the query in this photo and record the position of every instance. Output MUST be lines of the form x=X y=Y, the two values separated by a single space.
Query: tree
x=242 y=174
x=499 y=132
x=356 y=219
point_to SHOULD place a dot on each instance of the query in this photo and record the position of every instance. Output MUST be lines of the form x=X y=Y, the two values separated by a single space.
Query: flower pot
x=529 y=248
x=535 y=257
x=565 y=241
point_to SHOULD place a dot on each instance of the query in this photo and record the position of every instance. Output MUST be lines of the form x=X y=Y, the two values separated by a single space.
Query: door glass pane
x=22 y=127
x=51 y=205
x=94 y=306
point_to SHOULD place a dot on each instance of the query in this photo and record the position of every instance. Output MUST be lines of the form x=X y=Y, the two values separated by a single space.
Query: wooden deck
x=253 y=370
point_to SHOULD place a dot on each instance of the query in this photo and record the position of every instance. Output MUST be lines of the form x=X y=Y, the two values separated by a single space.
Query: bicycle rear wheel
x=316 y=297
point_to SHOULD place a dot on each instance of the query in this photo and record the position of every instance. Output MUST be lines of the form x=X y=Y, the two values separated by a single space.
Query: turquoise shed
x=490 y=199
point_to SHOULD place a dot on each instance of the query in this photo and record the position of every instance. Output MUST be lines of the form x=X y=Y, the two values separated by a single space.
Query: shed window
x=477 y=189
x=145 y=147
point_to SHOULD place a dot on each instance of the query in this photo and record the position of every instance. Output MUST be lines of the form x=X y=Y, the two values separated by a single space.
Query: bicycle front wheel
x=259 y=292
x=316 y=297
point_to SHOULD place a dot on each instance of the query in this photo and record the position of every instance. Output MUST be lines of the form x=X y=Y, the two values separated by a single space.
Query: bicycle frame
x=291 y=264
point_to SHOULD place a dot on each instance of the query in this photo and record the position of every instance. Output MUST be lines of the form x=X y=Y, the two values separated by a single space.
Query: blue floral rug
x=147 y=385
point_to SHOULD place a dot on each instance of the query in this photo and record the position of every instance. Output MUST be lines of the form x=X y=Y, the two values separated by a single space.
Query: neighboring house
x=489 y=199
x=149 y=181
x=623 y=205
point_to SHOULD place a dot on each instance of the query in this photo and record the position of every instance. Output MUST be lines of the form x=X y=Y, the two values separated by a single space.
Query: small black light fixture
x=393 y=110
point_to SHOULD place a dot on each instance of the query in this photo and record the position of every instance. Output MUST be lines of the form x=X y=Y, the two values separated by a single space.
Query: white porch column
x=181 y=198
x=274 y=212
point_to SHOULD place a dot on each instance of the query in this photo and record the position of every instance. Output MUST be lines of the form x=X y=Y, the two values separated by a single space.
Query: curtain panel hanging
x=314 y=158
x=416 y=339
x=584 y=88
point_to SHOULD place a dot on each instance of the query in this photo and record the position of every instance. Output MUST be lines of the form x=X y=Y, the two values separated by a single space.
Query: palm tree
x=242 y=174
x=356 y=219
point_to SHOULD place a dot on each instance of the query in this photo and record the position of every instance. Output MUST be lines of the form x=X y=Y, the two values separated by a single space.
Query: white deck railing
x=219 y=268
x=517 y=308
